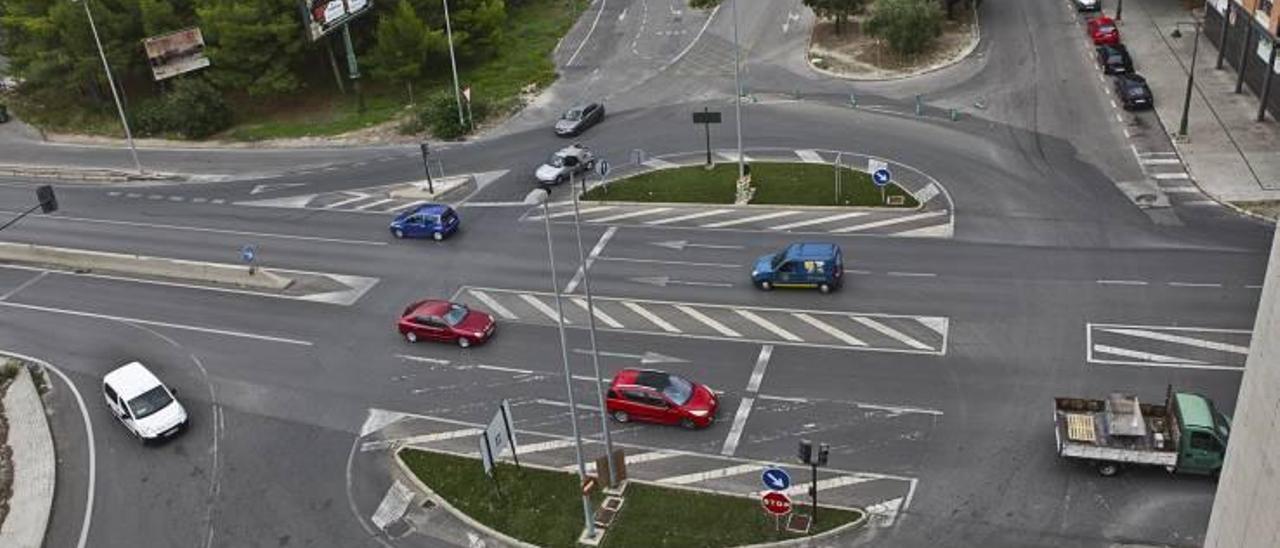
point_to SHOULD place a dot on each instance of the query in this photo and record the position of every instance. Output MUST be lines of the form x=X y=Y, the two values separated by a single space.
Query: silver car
x=566 y=162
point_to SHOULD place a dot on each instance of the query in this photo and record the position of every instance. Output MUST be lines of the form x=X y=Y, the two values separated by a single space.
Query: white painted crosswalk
x=1167 y=346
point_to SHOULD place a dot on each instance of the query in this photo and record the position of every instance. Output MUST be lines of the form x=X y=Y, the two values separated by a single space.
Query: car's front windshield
x=556 y=160
x=678 y=390
x=149 y=402
x=455 y=315
x=573 y=115
x=778 y=259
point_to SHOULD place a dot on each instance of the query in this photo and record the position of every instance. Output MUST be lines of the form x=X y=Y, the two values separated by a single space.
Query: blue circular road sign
x=775 y=479
x=602 y=167
x=881 y=177
x=248 y=253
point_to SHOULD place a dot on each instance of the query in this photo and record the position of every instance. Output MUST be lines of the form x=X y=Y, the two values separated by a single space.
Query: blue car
x=805 y=264
x=435 y=221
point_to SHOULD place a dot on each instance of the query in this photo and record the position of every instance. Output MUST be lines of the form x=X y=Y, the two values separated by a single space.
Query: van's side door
x=1202 y=452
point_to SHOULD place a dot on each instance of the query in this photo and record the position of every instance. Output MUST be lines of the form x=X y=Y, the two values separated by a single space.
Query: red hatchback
x=656 y=396
x=445 y=321
x=1103 y=31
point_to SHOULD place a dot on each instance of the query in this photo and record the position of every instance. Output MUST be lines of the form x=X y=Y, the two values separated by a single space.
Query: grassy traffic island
x=544 y=507
x=776 y=183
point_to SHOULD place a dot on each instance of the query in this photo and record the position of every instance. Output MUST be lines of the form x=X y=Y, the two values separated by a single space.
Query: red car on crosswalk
x=657 y=396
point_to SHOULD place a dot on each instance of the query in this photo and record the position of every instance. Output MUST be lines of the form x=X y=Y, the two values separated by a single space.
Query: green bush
x=439 y=115
x=192 y=108
x=910 y=26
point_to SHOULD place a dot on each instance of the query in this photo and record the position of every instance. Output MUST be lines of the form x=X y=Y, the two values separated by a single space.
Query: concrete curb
x=80 y=259
x=34 y=471
x=84 y=174
x=976 y=30
x=445 y=188
x=456 y=513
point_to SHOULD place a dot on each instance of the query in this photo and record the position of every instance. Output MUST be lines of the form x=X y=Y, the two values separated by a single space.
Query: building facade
x=1250 y=29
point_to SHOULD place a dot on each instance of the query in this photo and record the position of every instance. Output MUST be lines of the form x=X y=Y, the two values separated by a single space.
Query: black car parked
x=1133 y=92
x=577 y=119
x=1115 y=59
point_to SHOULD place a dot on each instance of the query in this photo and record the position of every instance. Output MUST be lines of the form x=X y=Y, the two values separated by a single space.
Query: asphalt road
x=1049 y=260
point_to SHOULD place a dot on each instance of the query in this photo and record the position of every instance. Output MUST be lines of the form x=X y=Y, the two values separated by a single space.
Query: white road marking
x=423 y=359
x=1191 y=284
x=600 y=314
x=1179 y=339
x=580 y=406
x=912 y=274
x=591 y=30
x=24 y=285
x=492 y=303
x=686 y=479
x=1168 y=176
x=810 y=156
x=891 y=332
x=1253 y=287
x=62 y=219
x=739 y=422
x=802 y=487
x=545 y=446
x=678 y=263
x=629 y=215
x=631 y=460
x=825 y=328
x=373 y=204
x=732 y=156
x=820 y=220
x=710 y=322
x=891 y=221
x=229 y=333
x=757 y=374
x=340 y=203
x=541 y=306
x=581 y=211
x=439 y=436
x=393 y=506
x=935 y=231
x=1145 y=356
x=688 y=216
x=506 y=369
x=1160 y=161
x=217 y=201
x=888 y=510
x=753 y=218
x=651 y=317
x=1198 y=203
x=591 y=259
x=1121 y=282
x=658 y=163
x=768 y=325
x=1180 y=190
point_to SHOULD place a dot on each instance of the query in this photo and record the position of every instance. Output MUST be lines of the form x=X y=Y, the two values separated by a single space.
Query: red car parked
x=1103 y=31
x=445 y=321
x=657 y=396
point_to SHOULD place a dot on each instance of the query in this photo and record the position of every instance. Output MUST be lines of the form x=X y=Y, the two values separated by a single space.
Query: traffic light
x=806 y=451
x=823 y=449
x=48 y=202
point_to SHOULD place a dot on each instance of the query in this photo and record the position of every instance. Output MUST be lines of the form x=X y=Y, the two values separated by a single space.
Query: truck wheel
x=1108 y=469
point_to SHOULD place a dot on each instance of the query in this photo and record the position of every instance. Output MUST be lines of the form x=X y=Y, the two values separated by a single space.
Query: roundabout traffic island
x=772 y=183
x=542 y=506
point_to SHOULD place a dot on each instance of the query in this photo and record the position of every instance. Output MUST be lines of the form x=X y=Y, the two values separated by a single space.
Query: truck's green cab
x=1202 y=434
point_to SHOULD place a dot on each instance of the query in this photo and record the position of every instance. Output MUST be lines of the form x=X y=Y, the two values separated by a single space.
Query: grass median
x=777 y=183
x=545 y=508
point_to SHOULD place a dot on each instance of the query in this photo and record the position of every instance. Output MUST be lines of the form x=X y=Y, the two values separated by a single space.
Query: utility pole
x=737 y=83
x=128 y=135
x=453 y=63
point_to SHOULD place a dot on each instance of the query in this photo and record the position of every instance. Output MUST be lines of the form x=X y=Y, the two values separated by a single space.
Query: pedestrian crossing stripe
x=1167 y=346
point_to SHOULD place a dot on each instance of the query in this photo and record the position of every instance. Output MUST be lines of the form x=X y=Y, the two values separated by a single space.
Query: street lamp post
x=128 y=135
x=541 y=196
x=591 y=328
x=453 y=63
x=737 y=84
x=1191 y=73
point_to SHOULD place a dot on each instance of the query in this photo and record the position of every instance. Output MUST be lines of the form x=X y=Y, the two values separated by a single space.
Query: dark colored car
x=446 y=322
x=661 y=397
x=436 y=221
x=579 y=118
x=1103 y=30
x=1114 y=59
x=1133 y=92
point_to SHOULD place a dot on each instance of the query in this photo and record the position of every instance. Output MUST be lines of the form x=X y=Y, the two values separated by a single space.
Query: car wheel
x=560 y=179
x=825 y=288
x=437 y=236
x=1108 y=469
x=464 y=342
x=687 y=424
x=399 y=234
x=621 y=416
x=411 y=337
x=765 y=285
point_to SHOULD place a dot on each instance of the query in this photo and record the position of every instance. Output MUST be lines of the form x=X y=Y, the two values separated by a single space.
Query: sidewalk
x=33 y=465
x=1229 y=155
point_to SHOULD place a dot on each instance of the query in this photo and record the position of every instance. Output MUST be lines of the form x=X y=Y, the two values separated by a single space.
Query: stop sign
x=776 y=503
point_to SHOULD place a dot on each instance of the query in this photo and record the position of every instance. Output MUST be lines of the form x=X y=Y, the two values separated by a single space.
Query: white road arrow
x=786 y=25
x=272 y=187
x=680 y=245
x=664 y=281
x=648 y=358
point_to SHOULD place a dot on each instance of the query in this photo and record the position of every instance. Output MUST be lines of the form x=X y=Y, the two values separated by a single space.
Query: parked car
x=1103 y=30
x=1114 y=59
x=1088 y=5
x=579 y=118
x=144 y=405
x=657 y=396
x=436 y=320
x=566 y=162
x=1133 y=92
x=805 y=264
x=436 y=221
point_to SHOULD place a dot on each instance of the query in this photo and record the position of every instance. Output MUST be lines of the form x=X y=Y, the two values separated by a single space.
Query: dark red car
x=1103 y=30
x=445 y=321
x=657 y=396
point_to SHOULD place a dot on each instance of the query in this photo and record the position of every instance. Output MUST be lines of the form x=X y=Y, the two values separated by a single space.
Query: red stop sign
x=776 y=503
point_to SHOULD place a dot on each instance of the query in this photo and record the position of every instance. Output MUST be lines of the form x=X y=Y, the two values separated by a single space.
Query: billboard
x=176 y=53
x=325 y=16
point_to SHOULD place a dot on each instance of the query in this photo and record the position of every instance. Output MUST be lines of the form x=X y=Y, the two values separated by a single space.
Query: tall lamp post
x=737 y=84
x=539 y=196
x=1191 y=73
x=128 y=135
x=453 y=63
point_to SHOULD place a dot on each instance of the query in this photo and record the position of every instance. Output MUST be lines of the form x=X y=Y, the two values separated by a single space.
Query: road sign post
x=249 y=254
x=431 y=187
x=880 y=175
x=775 y=479
x=706 y=118
x=776 y=503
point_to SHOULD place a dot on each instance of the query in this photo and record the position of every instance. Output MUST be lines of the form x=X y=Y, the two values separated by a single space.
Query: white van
x=142 y=403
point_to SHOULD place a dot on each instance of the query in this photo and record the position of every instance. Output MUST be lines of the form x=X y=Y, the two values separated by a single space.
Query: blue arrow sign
x=775 y=479
x=881 y=177
x=248 y=253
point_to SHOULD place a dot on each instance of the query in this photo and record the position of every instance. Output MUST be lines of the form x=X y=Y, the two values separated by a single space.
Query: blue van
x=804 y=264
x=427 y=220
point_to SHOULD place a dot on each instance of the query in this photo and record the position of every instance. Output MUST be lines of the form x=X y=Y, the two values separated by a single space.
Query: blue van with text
x=435 y=221
x=804 y=264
